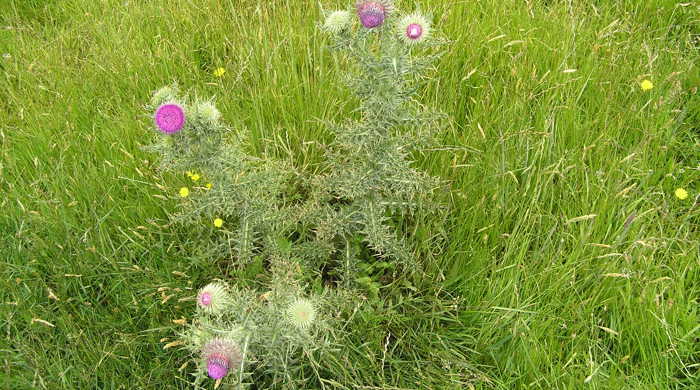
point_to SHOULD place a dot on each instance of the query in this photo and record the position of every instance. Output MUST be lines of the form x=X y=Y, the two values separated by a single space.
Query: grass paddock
x=568 y=263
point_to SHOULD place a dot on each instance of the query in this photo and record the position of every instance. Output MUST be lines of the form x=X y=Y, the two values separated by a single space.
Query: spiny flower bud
x=301 y=313
x=208 y=111
x=373 y=13
x=170 y=118
x=213 y=298
x=337 y=21
x=413 y=28
x=221 y=356
x=163 y=95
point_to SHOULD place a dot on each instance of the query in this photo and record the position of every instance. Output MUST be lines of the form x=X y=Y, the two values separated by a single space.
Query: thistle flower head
x=414 y=28
x=170 y=118
x=208 y=111
x=337 y=21
x=213 y=298
x=221 y=356
x=373 y=13
x=301 y=313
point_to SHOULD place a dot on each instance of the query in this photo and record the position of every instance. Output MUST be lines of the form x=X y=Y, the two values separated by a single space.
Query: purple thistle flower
x=217 y=366
x=221 y=356
x=170 y=118
x=205 y=299
x=414 y=31
x=371 y=13
x=213 y=298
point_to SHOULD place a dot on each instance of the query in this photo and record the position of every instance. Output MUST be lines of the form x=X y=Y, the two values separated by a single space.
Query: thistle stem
x=241 y=369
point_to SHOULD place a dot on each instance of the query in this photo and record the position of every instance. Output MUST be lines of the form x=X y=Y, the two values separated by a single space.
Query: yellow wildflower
x=195 y=177
x=219 y=72
x=184 y=192
x=189 y=173
x=681 y=193
x=209 y=186
x=218 y=222
x=646 y=85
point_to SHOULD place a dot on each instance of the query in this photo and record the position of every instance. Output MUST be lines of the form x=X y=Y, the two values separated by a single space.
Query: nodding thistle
x=373 y=13
x=170 y=118
x=414 y=28
x=213 y=298
x=221 y=356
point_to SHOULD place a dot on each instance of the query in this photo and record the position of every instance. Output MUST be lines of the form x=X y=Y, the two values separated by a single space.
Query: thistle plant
x=320 y=228
x=239 y=332
x=369 y=174
x=275 y=332
x=247 y=194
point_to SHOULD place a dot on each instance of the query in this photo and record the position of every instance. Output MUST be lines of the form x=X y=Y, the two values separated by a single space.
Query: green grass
x=571 y=262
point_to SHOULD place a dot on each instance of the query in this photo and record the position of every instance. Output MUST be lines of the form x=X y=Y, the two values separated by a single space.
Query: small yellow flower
x=195 y=177
x=218 y=222
x=681 y=193
x=184 y=192
x=219 y=72
x=646 y=85
x=189 y=173
x=209 y=186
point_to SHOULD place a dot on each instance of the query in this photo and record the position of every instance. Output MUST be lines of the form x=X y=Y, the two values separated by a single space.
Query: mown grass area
x=569 y=262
